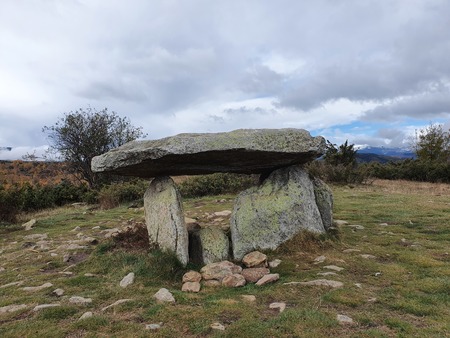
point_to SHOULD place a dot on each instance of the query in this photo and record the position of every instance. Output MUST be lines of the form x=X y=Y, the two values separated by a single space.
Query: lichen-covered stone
x=241 y=151
x=208 y=245
x=164 y=217
x=268 y=215
x=324 y=201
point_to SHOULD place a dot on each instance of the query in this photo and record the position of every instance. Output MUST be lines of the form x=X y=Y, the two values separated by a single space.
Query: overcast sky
x=368 y=71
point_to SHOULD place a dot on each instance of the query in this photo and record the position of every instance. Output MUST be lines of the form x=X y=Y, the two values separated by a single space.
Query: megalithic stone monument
x=286 y=202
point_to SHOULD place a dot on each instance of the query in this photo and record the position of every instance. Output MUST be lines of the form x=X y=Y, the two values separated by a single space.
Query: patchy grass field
x=396 y=275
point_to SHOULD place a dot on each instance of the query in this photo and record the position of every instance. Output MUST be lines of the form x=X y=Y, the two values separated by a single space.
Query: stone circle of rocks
x=228 y=274
x=286 y=201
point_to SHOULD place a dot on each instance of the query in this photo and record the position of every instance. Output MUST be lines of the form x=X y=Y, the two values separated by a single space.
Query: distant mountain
x=383 y=155
x=5 y=148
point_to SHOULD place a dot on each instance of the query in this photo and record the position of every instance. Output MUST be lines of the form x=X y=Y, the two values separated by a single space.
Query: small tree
x=344 y=155
x=432 y=144
x=79 y=136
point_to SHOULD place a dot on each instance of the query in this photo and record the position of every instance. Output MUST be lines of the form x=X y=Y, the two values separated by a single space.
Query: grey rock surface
x=164 y=217
x=244 y=151
x=324 y=201
x=268 y=215
x=208 y=245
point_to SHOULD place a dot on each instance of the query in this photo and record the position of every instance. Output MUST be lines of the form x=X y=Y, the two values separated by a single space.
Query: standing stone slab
x=164 y=217
x=208 y=245
x=268 y=215
x=324 y=201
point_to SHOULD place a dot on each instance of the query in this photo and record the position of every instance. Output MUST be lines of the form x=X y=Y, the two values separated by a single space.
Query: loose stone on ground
x=127 y=280
x=278 y=305
x=12 y=308
x=319 y=282
x=118 y=302
x=164 y=296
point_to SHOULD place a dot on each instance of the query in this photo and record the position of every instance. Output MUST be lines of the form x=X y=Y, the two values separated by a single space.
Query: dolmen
x=286 y=201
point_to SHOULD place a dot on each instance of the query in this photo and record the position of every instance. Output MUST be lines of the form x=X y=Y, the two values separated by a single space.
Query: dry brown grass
x=410 y=187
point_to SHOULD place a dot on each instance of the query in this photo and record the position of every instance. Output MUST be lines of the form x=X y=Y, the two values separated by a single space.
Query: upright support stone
x=164 y=217
x=324 y=201
x=268 y=215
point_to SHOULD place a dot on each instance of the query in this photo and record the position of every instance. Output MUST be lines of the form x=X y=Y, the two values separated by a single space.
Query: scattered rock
x=333 y=267
x=77 y=228
x=319 y=282
x=339 y=222
x=219 y=270
x=58 y=292
x=111 y=232
x=211 y=283
x=155 y=326
x=35 y=237
x=319 y=259
x=224 y=213
x=67 y=258
x=2 y=269
x=71 y=247
x=372 y=300
x=356 y=226
x=273 y=264
x=367 y=256
x=192 y=276
x=255 y=259
x=66 y=273
x=97 y=227
x=29 y=225
x=191 y=287
x=11 y=284
x=280 y=306
x=37 y=288
x=45 y=306
x=270 y=278
x=233 y=281
x=164 y=218
x=252 y=275
x=120 y=301
x=12 y=308
x=85 y=315
x=377 y=274
x=383 y=224
x=127 y=280
x=217 y=326
x=164 y=296
x=344 y=320
x=328 y=273
x=80 y=300
x=249 y=298
x=351 y=250
x=89 y=274
x=358 y=285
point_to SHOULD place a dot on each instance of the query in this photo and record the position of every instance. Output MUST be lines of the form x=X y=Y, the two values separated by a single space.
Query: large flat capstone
x=244 y=151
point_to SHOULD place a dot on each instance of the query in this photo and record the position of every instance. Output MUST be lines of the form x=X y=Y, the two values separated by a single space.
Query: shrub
x=113 y=195
x=32 y=198
x=340 y=173
x=216 y=184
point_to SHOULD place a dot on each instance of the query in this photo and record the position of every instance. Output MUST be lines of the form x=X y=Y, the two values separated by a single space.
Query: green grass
x=404 y=291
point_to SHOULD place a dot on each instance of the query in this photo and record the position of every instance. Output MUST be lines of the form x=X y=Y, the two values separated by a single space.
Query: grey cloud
x=427 y=106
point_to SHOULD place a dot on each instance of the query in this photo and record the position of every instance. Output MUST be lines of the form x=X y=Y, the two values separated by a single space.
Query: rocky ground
x=81 y=272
